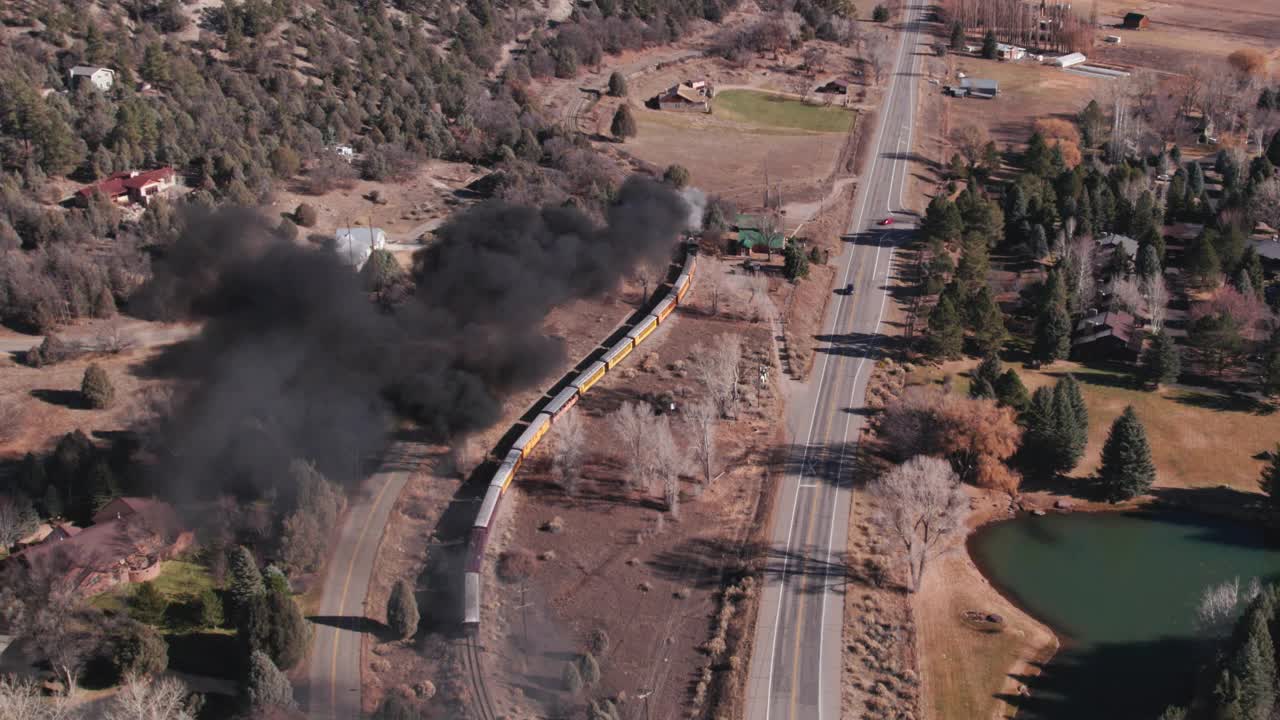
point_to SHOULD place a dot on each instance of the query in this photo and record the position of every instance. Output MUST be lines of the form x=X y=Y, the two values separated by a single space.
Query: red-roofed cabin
x=131 y=186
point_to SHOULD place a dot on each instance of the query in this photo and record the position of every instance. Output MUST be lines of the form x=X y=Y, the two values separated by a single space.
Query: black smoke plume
x=295 y=361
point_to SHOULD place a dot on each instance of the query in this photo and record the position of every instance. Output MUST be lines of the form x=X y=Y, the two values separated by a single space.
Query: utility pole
x=645 y=697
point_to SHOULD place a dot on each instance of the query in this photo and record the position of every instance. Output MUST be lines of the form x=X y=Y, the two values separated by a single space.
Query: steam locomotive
x=538 y=427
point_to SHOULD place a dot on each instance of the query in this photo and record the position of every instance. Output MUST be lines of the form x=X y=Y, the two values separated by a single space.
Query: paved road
x=332 y=691
x=795 y=668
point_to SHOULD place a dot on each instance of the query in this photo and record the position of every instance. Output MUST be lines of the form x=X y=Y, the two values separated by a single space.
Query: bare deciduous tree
x=114 y=338
x=22 y=699
x=17 y=520
x=1127 y=294
x=1265 y=203
x=970 y=141
x=714 y=282
x=704 y=416
x=666 y=461
x=1080 y=261
x=1220 y=604
x=631 y=422
x=1155 y=295
x=568 y=451
x=717 y=368
x=878 y=55
x=143 y=699
x=921 y=505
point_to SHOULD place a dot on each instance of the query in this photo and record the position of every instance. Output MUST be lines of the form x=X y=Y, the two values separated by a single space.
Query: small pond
x=1120 y=589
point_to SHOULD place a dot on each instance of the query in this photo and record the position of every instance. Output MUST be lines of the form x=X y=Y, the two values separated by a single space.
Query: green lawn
x=759 y=108
x=177 y=580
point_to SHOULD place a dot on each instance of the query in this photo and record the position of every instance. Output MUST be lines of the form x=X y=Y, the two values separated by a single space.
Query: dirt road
x=795 y=671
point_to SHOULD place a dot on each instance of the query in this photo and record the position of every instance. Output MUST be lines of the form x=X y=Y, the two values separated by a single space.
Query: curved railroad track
x=475 y=676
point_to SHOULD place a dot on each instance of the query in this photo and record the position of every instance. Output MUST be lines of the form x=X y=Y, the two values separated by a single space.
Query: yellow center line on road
x=346 y=584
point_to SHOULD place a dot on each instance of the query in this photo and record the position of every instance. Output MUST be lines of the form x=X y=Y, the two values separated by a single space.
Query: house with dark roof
x=131 y=186
x=1110 y=336
x=127 y=542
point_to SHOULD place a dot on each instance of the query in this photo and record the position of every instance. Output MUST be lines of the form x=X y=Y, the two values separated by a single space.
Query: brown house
x=126 y=543
x=1136 y=21
x=686 y=97
x=1109 y=336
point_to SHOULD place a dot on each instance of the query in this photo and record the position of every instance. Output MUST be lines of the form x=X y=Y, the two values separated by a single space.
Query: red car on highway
x=887 y=221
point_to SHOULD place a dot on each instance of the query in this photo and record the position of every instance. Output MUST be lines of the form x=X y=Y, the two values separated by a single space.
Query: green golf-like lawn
x=759 y=108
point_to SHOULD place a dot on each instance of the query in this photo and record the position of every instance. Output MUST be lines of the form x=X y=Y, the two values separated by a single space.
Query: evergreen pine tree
x=981 y=388
x=957 y=36
x=1161 y=362
x=245 y=581
x=1072 y=418
x=623 y=125
x=989 y=45
x=402 y=610
x=1053 y=334
x=288 y=635
x=1010 y=391
x=1203 y=265
x=617 y=84
x=989 y=333
x=942 y=220
x=266 y=687
x=96 y=388
x=1273 y=149
x=1148 y=265
x=989 y=370
x=1126 y=469
x=945 y=339
x=590 y=669
x=1253 y=662
x=1195 y=179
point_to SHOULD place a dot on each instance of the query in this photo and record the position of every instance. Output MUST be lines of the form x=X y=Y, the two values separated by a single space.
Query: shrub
x=590 y=669
x=571 y=678
x=677 y=176
x=267 y=687
x=305 y=215
x=148 y=605
x=137 y=650
x=287 y=229
x=96 y=388
x=515 y=565
x=599 y=641
x=880 y=14
x=617 y=84
x=623 y=125
x=402 y=610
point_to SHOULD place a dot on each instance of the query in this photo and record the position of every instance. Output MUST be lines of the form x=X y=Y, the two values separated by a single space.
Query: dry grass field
x=1028 y=91
x=1183 y=32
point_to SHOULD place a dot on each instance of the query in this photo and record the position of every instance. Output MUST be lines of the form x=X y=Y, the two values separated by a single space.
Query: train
x=551 y=411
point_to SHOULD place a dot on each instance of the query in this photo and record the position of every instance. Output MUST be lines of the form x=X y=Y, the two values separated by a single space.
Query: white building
x=1005 y=51
x=1068 y=60
x=101 y=77
x=356 y=244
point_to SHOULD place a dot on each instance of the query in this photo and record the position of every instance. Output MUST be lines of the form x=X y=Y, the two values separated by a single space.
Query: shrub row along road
x=795 y=666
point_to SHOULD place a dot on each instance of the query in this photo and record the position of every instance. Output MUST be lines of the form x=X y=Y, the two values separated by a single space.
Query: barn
x=686 y=97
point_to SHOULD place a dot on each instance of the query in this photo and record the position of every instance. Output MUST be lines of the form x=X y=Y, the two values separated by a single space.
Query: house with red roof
x=131 y=186
x=127 y=542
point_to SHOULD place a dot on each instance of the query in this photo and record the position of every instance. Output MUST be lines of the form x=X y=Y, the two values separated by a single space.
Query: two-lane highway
x=795 y=666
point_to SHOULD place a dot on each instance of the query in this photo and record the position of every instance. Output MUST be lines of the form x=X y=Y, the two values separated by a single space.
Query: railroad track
x=475 y=675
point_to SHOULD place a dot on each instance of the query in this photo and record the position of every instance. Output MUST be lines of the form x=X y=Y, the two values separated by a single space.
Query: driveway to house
x=332 y=689
x=138 y=333
x=795 y=668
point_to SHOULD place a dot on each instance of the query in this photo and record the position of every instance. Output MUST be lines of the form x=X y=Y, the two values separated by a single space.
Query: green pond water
x=1120 y=590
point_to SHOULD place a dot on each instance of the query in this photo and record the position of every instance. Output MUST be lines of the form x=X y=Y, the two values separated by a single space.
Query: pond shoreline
x=1041 y=504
